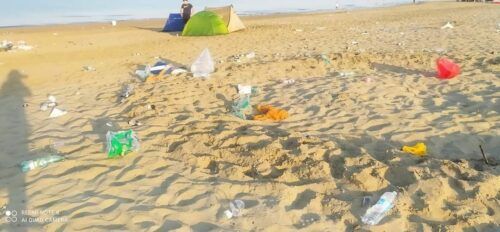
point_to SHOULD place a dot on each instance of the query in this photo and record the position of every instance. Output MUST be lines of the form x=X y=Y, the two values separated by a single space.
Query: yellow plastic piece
x=419 y=149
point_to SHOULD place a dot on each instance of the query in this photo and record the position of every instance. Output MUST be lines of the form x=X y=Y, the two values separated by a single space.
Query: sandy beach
x=350 y=113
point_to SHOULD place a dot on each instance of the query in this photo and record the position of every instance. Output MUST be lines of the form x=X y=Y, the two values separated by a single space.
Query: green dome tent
x=205 y=23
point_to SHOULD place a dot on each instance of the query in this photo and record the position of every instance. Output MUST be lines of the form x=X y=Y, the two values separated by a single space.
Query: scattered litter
x=120 y=143
x=48 y=104
x=448 y=25
x=320 y=28
x=25 y=105
x=419 y=149
x=365 y=33
x=151 y=107
x=299 y=30
x=203 y=66
x=178 y=71
x=110 y=124
x=160 y=66
x=440 y=50
x=346 y=74
x=44 y=106
x=368 y=80
x=159 y=69
x=40 y=162
x=113 y=23
x=354 y=42
x=134 y=122
x=238 y=57
x=88 y=68
x=6 y=45
x=378 y=211
x=269 y=112
x=244 y=89
x=250 y=55
x=325 y=59
x=235 y=209
x=126 y=92
x=446 y=68
x=57 y=113
x=21 y=45
x=52 y=99
x=143 y=74
x=288 y=81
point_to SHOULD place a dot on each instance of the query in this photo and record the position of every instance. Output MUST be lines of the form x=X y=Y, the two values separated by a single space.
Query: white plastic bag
x=204 y=65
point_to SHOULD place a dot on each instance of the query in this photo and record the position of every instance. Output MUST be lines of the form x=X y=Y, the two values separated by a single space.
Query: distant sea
x=42 y=12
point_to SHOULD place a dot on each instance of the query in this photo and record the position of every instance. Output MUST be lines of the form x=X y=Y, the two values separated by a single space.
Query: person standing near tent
x=186 y=10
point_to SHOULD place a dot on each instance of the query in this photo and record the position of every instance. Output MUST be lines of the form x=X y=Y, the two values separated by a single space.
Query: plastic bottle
x=204 y=65
x=375 y=213
x=40 y=162
x=235 y=209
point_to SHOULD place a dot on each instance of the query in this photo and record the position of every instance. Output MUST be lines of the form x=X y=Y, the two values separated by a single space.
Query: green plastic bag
x=120 y=143
x=240 y=105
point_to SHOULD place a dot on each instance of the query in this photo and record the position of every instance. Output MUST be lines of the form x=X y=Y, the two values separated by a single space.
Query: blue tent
x=175 y=22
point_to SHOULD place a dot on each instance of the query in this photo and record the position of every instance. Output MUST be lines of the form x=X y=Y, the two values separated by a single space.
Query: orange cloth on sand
x=269 y=112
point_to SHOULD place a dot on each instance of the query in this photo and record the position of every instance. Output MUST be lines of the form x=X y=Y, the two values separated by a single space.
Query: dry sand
x=309 y=172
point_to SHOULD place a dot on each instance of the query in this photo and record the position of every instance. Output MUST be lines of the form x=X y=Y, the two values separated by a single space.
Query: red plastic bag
x=447 y=69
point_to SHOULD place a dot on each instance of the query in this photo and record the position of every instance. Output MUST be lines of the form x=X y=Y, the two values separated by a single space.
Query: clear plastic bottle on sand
x=378 y=211
x=235 y=209
x=40 y=162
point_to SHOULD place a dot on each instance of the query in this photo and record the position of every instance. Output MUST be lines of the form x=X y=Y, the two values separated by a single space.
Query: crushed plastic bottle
x=40 y=162
x=120 y=143
x=235 y=209
x=378 y=211
x=203 y=66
